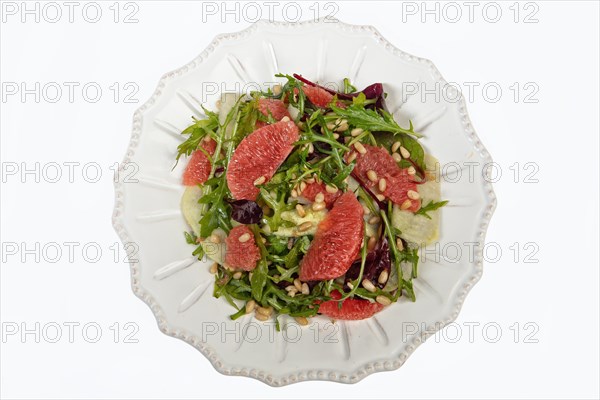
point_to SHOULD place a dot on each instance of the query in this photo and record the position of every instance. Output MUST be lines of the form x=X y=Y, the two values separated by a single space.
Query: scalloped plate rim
x=397 y=360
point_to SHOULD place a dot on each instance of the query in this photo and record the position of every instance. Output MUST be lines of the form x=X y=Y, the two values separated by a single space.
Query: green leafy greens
x=321 y=155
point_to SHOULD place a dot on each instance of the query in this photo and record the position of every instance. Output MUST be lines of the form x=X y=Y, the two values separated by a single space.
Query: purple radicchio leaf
x=246 y=211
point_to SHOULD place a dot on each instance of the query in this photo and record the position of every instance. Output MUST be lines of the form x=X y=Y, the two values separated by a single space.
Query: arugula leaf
x=359 y=100
x=431 y=206
x=191 y=238
x=260 y=273
x=278 y=204
x=218 y=210
x=417 y=154
x=277 y=245
x=292 y=90
x=292 y=259
x=197 y=131
x=411 y=255
x=371 y=120
x=348 y=87
x=250 y=114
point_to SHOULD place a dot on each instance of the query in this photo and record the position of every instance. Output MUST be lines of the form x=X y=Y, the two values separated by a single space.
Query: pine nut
x=342 y=127
x=411 y=170
x=382 y=185
x=289 y=288
x=374 y=220
x=320 y=197
x=250 y=306
x=372 y=175
x=360 y=148
x=413 y=195
x=356 y=131
x=215 y=238
x=406 y=204
x=265 y=310
x=311 y=148
x=404 y=153
x=367 y=284
x=310 y=180
x=383 y=300
x=244 y=238
x=292 y=293
x=294 y=193
x=260 y=317
x=305 y=226
x=298 y=284
x=300 y=210
x=371 y=243
x=260 y=180
x=399 y=244
x=277 y=90
x=285 y=119
x=383 y=277
x=336 y=136
x=351 y=157
x=318 y=206
x=350 y=285
x=305 y=288
x=213 y=268
x=396 y=157
x=301 y=320
x=396 y=146
x=330 y=189
x=380 y=197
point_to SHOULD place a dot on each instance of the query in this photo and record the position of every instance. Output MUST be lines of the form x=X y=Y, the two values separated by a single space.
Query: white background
x=558 y=55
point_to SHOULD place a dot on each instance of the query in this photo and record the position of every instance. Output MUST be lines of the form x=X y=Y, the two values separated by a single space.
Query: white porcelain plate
x=178 y=288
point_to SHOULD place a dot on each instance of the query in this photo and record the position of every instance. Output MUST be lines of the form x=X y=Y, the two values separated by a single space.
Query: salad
x=308 y=201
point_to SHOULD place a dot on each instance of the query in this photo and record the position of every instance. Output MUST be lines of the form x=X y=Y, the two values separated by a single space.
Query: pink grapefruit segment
x=336 y=243
x=312 y=189
x=273 y=107
x=198 y=167
x=398 y=181
x=319 y=96
x=241 y=255
x=352 y=309
x=259 y=155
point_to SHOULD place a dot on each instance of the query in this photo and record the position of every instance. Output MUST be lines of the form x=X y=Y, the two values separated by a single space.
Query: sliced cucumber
x=292 y=216
x=190 y=208
x=216 y=251
x=419 y=229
